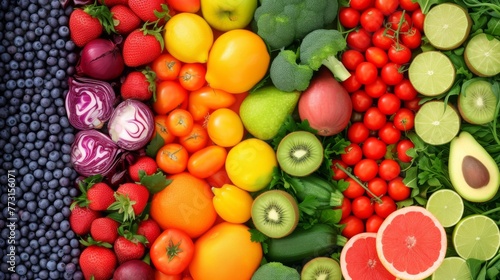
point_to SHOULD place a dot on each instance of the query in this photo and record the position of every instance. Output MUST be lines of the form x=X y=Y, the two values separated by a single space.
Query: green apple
x=264 y=110
x=225 y=15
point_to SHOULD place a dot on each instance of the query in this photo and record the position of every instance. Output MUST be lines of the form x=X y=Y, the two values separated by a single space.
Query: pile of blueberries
x=36 y=178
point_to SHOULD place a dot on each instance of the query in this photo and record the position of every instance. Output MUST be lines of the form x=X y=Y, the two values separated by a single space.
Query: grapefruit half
x=411 y=243
x=359 y=259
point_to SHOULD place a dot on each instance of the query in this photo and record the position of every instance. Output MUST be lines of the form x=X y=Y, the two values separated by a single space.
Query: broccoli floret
x=320 y=47
x=287 y=75
x=275 y=271
x=281 y=22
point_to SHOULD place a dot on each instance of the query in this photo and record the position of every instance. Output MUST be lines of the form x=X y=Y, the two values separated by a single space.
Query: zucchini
x=323 y=191
x=301 y=244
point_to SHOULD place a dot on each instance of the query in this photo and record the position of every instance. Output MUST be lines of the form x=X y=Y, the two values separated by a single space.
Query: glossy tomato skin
x=392 y=73
x=351 y=84
x=351 y=58
x=349 y=17
x=374 y=148
x=399 y=20
x=388 y=103
x=166 y=67
x=386 y=207
x=225 y=127
x=353 y=226
x=371 y=19
x=345 y=207
x=357 y=132
x=219 y=178
x=169 y=95
x=361 y=101
x=352 y=154
x=359 y=40
x=401 y=149
x=192 y=76
x=207 y=161
x=383 y=38
x=172 y=158
x=180 y=122
x=377 y=186
x=399 y=54
x=389 y=169
x=188 y=6
x=397 y=190
x=196 y=139
x=412 y=38
x=376 y=56
x=353 y=189
x=366 y=72
x=405 y=90
x=361 y=5
x=389 y=133
x=404 y=119
x=172 y=251
x=377 y=88
x=362 y=207
x=417 y=18
x=338 y=173
x=373 y=223
x=387 y=7
x=409 y=5
x=374 y=118
x=366 y=169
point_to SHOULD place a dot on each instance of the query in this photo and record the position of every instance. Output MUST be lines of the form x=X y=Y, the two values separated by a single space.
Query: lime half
x=482 y=55
x=452 y=268
x=431 y=73
x=447 y=26
x=447 y=206
x=476 y=236
x=437 y=123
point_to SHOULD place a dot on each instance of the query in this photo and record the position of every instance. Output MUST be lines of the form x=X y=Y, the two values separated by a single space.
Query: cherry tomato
x=225 y=127
x=413 y=104
x=180 y=122
x=371 y=19
x=404 y=119
x=374 y=119
x=192 y=76
x=205 y=99
x=392 y=73
x=402 y=148
x=405 y=90
x=351 y=59
x=395 y=21
x=349 y=17
x=351 y=84
x=388 y=169
x=352 y=226
x=412 y=38
x=166 y=67
x=399 y=54
x=161 y=129
x=361 y=101
x=417 y=18
x=352 y=154
x=387 y=7
x=377 y=186
x=366 y=72
x=362 y=207
x=357 y=132
x=172 y=158
x=196 y=139
x=374 y=148
x=408 y=5
x=338 y=173
x=376 y=56
x=172 y=251
x=366 y=169
x=389 y=133
x=359 y=40
x=219 y=178
x=360 y=5
x=169 y=95
x=398 y=190
x=383 y=38
x=345 y=207
x=353 y=189
x=376 y=89
x=386 y=207
x=188 y=6
x=388 y=103
x=207 y=161
x=373 y=223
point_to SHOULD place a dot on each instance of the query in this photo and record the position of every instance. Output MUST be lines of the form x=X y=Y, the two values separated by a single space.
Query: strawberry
x=142 y=46
x=126 y=249
x=95 y=194
x=112 y=3
x=130 y=200
x=139 y=85
x=104 y=229
x=125 y=21
x=88 y=23
x=150 y=229
x=150 y=10
x=144 y=163
x=97 y=262
x=81 y=218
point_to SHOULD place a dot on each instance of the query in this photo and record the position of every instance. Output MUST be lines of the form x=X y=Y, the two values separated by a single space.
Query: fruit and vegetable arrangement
x=225 y=139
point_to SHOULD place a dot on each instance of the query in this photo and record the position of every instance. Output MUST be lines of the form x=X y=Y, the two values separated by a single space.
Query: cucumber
x=302 y=244
x=326 y=195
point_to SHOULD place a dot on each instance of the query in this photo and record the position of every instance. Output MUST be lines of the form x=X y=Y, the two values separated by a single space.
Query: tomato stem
x=376 y=198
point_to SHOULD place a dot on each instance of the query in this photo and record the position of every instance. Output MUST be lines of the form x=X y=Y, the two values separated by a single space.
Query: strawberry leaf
x=90 y=241
x=155 y=182
x=123 y=205
x=151 y=78
x=103 y=14
x=156 y=143
x=84 y=186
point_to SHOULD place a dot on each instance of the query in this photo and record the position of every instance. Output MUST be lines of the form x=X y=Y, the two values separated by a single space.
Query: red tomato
x=349 y=17
x=417 y=18
x=374 y=119
x=404 y=119
x=388 y=169
x=376 y=56
x=345 y=207
x=373 y=223
x=377 y=186
x=361 y=101
x=362 y=207
x=389 y=133
x=361 y=5
x=388 y=103
x=180 y=122
x=398 y=190
x=207 y=99
x=374 y=148
x=409 y=5
x=383 y=38
x=357 y=132
x=371 y=19
x=402 y=148
x=359 y=40
x=172 y=158
x=207 y=161
x=351 y=84
x=166 y=67
x=169 y=95
x=413 y=104
x=399 y=54
x=405 y=90
x=392 y=73
x=352 y=154
x=172 y=251
x=188 y=6
x=395 y=21
x=366 y=169
x=196 y=139
x=366 y=72
x=386 y=207
x=376 y=89
x=412 y=38
x=387 y=6
x=352 y=226
x=353 y=189
x=338 y=173
x=192 y=76
x=351 y=59
x=219 y=178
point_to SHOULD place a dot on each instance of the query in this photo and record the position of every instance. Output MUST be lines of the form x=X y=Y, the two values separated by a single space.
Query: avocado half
x=473 y=172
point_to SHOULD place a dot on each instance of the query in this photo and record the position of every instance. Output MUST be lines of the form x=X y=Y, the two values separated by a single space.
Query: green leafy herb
x=155 y=182
x=257 y=236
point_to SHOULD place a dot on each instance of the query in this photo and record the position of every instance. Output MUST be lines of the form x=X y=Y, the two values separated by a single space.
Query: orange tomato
x=196 y=139
x=207 y=161
x=237 y=61
x=202 y=101
x=162 y=130
x=172 y=158
x=231 y=245
x=225 y=128
x=237 y=103
x=169 y=95
x=166 y=67
x=192 y=76
x=180 y=122
x=188 y=6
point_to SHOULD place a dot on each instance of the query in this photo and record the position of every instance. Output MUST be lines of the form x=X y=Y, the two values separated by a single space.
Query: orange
x=186 y=204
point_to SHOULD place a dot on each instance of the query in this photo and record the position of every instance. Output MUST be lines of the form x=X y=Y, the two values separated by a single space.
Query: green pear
x=264 y=110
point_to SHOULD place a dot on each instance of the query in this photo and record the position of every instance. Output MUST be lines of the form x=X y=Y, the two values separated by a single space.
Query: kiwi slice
x=477 y=103
x=323 y=268
x=300 y=153
x=275 y=213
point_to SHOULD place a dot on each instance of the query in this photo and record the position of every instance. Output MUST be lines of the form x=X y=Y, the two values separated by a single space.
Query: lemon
x=188 y=37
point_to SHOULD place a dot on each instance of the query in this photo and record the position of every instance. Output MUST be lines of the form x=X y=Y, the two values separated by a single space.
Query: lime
x=452 y=268
x=447 y=206
x=431 y=73
x=437 y=123
x=476 y=236
x=482 y=55
x=447 y=26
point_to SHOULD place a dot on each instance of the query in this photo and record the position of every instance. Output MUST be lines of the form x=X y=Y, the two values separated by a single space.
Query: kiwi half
x=300 y=153
x=275 y=213
x=477 y=103
x=323 y=268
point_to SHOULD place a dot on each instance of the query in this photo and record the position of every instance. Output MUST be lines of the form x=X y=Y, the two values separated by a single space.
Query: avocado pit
x=475 y=172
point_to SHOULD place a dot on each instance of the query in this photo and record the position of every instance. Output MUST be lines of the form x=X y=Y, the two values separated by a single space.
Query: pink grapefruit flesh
x=359 y=259
x=411 y=243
